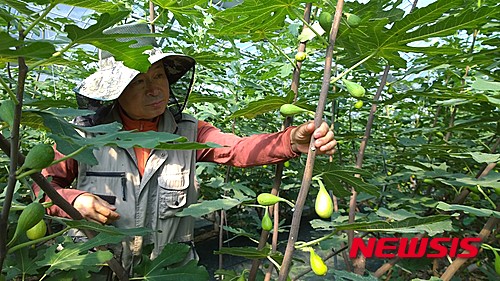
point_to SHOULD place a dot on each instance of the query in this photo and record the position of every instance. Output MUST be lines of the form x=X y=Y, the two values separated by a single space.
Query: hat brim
x=113 y=77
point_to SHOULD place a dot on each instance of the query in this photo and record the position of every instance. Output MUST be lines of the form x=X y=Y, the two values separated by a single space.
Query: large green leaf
x=188 y=272
x=491 y=180
x=184 y=11
x=418 y=26
x=108 y=229
x=20 y=6
x=483 y=85
x=76 y=255
x=254 y=108
x=69 y=140
x=7 y=108
x=171 y=254
x=208 y=206
x=33 y=50
x=339 y=180
x=199 y=98
x=132 y=57
x=248 y=252
x=256 y=18
x=7 y=42
x=395 y=215
x=480 y=212
x=96 y=5
x=479 y=157
x=22 y=263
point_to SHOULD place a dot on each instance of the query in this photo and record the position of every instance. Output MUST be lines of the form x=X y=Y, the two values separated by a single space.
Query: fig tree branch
x=485 y=169
x=458 y=262
x=57 y=199
x=359 y=262
x=279 y=167
x=13 y=162
x=308 y=170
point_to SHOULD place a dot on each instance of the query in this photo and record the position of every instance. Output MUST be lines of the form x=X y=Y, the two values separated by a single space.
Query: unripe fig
x=497 y=262
x=354 y=89
x=325 y=21
x=267 y=199
x=300 y=56
x=352 y=20
x=38 y=231
x=242 y=277
x=267 y=223
x=391 y=89
x=358 y=104
x=318 y=266
x=29 y=217
x=39 y=157
x=291 y=109
x=324 y=203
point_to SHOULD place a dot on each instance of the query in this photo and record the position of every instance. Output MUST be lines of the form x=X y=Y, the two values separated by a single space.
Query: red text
x=392 y=247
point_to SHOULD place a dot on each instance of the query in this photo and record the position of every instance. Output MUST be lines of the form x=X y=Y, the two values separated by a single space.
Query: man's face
x=147 y=95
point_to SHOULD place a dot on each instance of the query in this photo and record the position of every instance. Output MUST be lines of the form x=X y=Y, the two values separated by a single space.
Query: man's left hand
x=324 y=143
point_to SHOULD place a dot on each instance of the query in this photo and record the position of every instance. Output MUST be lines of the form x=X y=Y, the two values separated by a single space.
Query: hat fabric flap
x=107 y=83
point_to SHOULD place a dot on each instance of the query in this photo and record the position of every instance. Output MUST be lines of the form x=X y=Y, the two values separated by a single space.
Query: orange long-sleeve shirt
x=249 y=151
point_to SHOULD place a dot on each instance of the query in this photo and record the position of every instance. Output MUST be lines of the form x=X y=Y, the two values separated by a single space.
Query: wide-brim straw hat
x=113 y=76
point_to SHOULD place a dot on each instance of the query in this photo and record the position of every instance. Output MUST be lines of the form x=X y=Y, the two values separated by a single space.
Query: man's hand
x=95 y=209
x=324 y=141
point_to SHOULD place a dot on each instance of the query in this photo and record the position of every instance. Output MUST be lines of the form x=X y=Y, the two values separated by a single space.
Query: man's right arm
x=61 y=176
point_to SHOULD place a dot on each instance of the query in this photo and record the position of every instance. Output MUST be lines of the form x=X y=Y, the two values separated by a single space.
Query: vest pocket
x=172 y=193
x=109 y=187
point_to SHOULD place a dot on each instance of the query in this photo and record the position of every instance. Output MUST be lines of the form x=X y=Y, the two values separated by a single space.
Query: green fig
x=354 y=89
x=325 y=21
x=318 y=266
x=267 y=223
x=291 y=109
x=352 y=20
x=324 y=203
x=29 y=217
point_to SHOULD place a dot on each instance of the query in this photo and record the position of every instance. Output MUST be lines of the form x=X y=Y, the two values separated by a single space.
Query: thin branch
x=434 y=122
x=279 y=167
x=364 y=141
x=359 y=262
x=14 y=138
x=318 y=118
x=152 y=15
x=485 y=169
x=40 y=18
x=458 y=262
x=452 y=122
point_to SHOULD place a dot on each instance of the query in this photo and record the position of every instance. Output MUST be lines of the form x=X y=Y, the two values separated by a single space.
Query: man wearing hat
x=147 y=186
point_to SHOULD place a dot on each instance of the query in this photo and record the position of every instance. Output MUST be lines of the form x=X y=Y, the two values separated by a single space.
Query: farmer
x=147 y=187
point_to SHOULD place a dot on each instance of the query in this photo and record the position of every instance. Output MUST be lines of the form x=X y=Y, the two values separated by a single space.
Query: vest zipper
x=112 y=175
